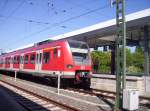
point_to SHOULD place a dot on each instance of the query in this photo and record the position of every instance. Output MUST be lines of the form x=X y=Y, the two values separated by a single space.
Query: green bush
x=133 y=69
x=101 y=61
x=134 y=61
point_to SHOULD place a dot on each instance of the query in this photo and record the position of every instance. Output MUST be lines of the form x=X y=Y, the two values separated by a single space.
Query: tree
x=138 y=59
x=129 y=58
x=101 y=61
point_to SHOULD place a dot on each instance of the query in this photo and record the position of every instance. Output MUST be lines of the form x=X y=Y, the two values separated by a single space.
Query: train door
x=21 y=61
x=38 y=60
x=58 y=59
x=4 y=63
x=11 y=62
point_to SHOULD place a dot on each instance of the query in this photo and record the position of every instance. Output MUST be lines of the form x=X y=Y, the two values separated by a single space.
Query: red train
x=71 y=59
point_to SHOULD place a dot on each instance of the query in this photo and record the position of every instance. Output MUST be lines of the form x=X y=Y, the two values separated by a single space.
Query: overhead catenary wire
x=57 y=24
x=51 y=5
x=4 y=5
x=12 y=13
x=26 y=20
x=83 y=7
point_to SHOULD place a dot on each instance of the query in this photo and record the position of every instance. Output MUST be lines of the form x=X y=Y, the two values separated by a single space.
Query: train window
x=1 y=61
x=46 y=57
x=59 y=53
x=22 y=59
x=18 y=59
x=55 y=53
x=40 y=58
x=37 y=56
x=32 y=58
x=26 y=59
x=11 y=60
x=15 y=60
x=77 y=44
x=5 y=60
x=8 y=60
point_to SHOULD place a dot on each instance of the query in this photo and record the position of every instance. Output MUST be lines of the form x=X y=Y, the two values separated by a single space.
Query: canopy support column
x=120 y=55
x=113 y=59
x=146 y=51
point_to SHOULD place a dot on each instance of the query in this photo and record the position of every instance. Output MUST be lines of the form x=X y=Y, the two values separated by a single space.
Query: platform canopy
x=104 y=33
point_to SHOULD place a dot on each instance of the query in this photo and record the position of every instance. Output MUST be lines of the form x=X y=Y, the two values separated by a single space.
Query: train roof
x=33 y=47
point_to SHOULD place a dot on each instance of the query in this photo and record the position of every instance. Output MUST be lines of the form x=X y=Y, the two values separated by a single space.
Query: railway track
x=92 y=92
x=109 y=97
x=99 y=98
x=33 y=102
x=105 y=94
x=77 y=102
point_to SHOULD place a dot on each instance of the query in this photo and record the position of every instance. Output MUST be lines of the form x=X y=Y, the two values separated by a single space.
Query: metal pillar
x=146 y=50
x=15 y=75
x=58 y=87
x=112 y=59
x=120 y=55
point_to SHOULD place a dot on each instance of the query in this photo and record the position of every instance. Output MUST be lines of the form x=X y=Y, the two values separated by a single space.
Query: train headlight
x=69 y=66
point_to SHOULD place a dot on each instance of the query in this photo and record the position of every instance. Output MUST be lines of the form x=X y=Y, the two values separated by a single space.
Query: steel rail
x=64 y=106
x=98 y=92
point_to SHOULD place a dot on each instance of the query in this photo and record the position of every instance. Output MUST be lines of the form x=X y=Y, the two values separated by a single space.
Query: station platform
x=7 y=103
x=108 y=82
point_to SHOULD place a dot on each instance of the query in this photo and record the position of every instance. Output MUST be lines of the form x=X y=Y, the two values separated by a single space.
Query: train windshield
x=80 y=52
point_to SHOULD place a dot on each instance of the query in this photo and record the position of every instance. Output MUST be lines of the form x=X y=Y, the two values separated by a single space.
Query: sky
x=24 y=22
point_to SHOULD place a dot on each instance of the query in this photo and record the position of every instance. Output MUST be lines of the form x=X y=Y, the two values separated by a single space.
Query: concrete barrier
x=108 y=83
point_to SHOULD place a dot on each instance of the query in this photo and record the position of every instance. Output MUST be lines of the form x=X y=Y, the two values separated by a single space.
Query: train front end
x=80 y=62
